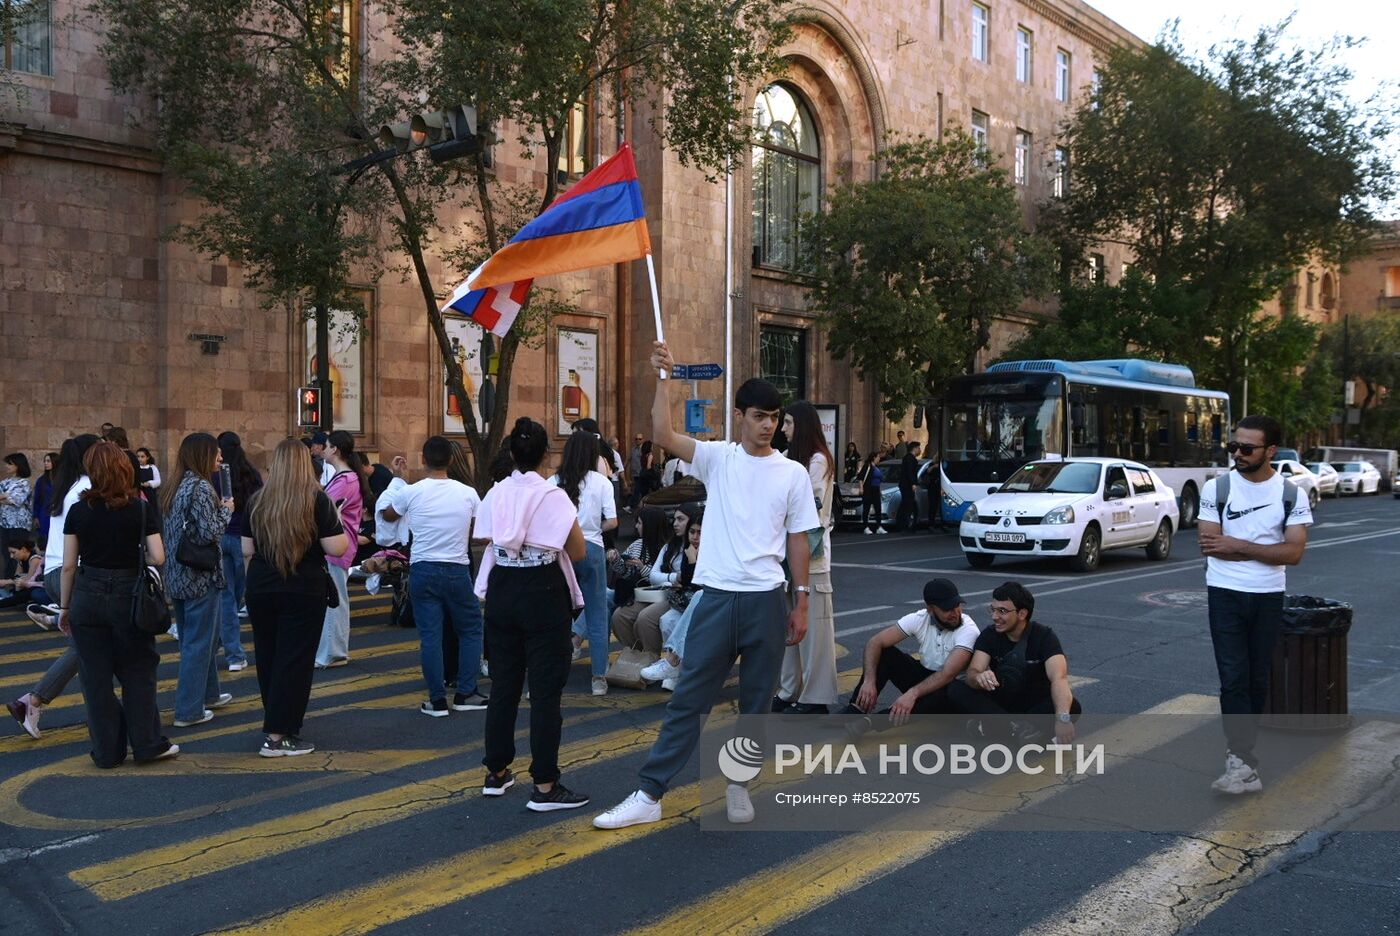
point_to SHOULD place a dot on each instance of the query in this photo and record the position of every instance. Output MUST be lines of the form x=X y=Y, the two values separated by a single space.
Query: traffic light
x=447 y=134
x=309 y=407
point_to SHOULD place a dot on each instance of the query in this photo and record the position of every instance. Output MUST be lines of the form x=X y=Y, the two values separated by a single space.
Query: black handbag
x=150 y=613
x=202 y=557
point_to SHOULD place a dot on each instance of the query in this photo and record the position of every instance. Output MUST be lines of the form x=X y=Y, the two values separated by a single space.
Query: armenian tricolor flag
x=600 y=220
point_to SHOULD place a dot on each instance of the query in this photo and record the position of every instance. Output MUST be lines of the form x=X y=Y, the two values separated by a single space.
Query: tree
x=1223 y=177
x=909 y=271
x=269 y=114
x=1367 y=350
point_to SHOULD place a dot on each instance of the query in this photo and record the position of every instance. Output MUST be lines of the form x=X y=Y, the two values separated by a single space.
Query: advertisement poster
x=577 y=380
x=464 y=335
x=831 y=427
x=347 y=368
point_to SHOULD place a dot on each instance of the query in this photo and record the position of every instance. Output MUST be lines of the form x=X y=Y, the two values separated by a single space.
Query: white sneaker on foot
x=600 y=685
x=1238 y=778
x=485 y=669
x=238 y=666
x=224 y=699
x=637 y=809
x=882 y=531
x=869 y=532
x=737 y=804
x=669 y=685
x=185 y=723
x=660 y=670
x=46 y=616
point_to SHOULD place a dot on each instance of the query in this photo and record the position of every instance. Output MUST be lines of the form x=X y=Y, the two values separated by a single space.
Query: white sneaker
x=174 y=631
x=46 y=616
x=243 y=611
x=600 y=685
x=198 y=721
x=224 y=699
x=660 y=670
x=485 y=669
x=238 y=667
x=737 y=804
x=882 y=531
x=869 y=532
x=1238 y=778
x=669 y=684
x=637 y=809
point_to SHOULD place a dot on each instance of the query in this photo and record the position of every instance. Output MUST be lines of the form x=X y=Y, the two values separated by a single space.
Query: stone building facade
x=102 y=319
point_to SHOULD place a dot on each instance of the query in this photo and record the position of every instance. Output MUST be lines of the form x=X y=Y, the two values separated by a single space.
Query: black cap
x=942 y=593
x=319 y=438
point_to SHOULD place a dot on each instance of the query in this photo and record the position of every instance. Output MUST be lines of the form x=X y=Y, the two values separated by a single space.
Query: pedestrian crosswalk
x=384 y=827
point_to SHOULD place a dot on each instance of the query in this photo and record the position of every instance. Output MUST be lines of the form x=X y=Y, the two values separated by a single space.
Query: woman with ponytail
x=592 y=496
x=245 y=482
x=348 y=491
x=528 y=572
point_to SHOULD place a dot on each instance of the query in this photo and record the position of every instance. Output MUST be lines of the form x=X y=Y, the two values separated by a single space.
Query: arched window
x=1329 y=291
x=786 y=175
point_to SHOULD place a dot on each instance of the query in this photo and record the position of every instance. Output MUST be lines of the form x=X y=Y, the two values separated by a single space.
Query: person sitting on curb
x=945 y=636
x=1018 y=668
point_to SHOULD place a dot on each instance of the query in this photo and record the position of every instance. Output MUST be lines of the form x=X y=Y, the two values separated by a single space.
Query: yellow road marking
x=796 y=887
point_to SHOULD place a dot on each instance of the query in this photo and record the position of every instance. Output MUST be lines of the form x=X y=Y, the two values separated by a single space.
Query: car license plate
x=994 y=537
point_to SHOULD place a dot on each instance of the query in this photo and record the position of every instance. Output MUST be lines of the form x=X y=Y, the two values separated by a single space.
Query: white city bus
x=992 y=423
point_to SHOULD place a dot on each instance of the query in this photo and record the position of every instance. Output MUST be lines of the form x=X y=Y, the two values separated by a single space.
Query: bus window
x=1159 y=437
x=1139 y=437
x=1085 y=434
x=1193 y=429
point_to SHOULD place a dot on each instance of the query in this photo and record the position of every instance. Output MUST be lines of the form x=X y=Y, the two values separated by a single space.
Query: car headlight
x=971 y=515
x=1059 y=515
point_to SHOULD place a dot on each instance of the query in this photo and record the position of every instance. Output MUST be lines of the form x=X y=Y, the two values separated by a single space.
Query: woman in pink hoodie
x=527 y=581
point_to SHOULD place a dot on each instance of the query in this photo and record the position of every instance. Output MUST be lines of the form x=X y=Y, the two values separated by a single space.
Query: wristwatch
x=1065 y=718
x=804 y=589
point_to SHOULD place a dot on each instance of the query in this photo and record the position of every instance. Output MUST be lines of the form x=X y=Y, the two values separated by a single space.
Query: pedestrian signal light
x=309 y=407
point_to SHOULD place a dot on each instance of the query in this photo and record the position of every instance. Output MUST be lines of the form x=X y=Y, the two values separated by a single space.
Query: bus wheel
x=1090 y=548
x=980 y=560
x=1190 y=506
x=1161 y=545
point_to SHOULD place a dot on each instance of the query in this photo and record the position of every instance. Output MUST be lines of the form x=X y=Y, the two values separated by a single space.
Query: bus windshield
x=988 y=439
x=1055 y=478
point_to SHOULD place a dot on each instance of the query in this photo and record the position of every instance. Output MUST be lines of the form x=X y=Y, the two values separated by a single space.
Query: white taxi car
x=1075 y=508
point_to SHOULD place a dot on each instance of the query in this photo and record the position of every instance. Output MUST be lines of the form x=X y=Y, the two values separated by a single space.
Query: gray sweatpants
x=750 y=626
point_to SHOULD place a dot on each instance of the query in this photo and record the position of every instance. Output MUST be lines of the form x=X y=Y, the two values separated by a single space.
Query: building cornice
x=1084 y=22
x=844 y=36
x=46 y=144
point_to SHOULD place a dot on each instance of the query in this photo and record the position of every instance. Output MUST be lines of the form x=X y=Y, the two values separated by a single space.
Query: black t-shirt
x=309 y=577
x=908 y=472
x=109 y=539
x=1041 y=645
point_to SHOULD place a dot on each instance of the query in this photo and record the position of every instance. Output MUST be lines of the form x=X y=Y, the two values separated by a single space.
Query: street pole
x=1346 y=375
x=728 y=289
x=323 y=364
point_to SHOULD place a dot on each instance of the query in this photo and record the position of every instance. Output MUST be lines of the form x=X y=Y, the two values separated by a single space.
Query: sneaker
x=1026 y=732
x=172 y=751
x=27 y=715
x=637 y=809
x=286 y=746
x=806 y=708
x=243 y=611
x=661 y=669
x=497 y=783
x=737 y=804
x=1238 y=778
x=600 y=685
x=224 y=699
x=475 y=702
x=779 y=705
x=485 y=670
x=174 y=631
x=577 y=653
x=335 y=662
x=869 y=532
x=185 y=723
x=669 y=684
x=42 y=615
x=238 y=666
x=437 y=708
x=858 y=728
x=882 y=531
x=559 y=797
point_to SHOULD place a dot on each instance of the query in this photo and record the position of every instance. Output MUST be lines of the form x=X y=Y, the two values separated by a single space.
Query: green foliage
x=1367 y=349
x=909 y=270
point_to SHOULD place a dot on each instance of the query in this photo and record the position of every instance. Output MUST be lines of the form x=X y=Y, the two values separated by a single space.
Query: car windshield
x=1054 y=478
x=1347 y=466
x=1316 y=467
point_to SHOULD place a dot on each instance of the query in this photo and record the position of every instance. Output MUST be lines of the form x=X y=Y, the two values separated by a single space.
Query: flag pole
x=655 y=305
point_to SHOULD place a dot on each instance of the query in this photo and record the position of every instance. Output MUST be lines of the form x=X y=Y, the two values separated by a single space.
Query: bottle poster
x=464 y=337
x=576 y=393
x=346 y=368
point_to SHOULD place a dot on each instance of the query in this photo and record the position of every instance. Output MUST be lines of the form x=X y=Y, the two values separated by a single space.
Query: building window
x=573 y=148
x=1061 y=185
x=1094 y=82
x=1329 y=292
x=26 y=39
x=980 y=16
x=1097 y=271
x=1392 y=282
x=979 y=129
x=786 y=175
x=1310 y=278
x=1062 y=75
x=1023 y=157
x=782 y=360
x=1023 y=55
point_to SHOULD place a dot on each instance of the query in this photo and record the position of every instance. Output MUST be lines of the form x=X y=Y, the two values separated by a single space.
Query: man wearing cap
x=945 y=636
x=324 y=469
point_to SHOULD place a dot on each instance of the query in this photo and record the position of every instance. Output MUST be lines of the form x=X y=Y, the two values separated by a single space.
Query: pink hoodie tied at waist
x=522 y=513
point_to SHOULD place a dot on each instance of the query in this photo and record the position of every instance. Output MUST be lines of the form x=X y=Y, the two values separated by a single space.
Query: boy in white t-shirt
x=758 y=508
x=945 y=636
x=1247 y=542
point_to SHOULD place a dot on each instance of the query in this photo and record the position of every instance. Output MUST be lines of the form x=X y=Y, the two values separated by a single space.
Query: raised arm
x=662 y=432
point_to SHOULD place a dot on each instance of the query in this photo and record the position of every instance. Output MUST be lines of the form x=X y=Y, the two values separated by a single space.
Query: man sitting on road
x=1018 y=667
x=945 y=636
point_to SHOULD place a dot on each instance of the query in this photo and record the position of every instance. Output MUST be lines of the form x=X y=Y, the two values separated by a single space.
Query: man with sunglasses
x=1247 y=542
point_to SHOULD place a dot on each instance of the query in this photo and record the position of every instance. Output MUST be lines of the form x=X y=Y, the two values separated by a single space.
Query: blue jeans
x=230 y=635
x=1243 y=629
x=441 y=592
x=592 y=574
x=199 y=677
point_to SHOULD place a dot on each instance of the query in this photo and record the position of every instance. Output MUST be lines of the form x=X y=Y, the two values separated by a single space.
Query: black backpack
x=1222 y=497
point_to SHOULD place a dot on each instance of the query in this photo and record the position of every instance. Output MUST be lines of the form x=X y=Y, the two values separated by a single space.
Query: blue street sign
x=703 y=371
x=695 y=415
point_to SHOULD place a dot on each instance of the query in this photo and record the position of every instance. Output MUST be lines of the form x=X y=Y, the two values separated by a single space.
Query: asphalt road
x=383 y=829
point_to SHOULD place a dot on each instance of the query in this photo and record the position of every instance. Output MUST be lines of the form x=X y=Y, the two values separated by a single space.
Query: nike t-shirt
x=1254 y=513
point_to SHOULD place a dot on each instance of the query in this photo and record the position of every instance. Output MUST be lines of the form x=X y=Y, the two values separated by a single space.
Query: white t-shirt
x=935 y=643
x=53 y=549
x=595 y=504
x=439 y=512
x=751 y=505
x=823 y=489
x=1254 y=513
x=328 y=471
x=675 y=470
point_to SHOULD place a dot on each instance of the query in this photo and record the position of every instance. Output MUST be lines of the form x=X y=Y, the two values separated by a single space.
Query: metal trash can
x=1308 y=682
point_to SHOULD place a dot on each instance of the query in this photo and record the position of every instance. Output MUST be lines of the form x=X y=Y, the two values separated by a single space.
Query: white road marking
x=862 y=610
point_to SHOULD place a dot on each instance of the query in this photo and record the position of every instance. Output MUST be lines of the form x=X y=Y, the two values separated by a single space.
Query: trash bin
x=1309 y=674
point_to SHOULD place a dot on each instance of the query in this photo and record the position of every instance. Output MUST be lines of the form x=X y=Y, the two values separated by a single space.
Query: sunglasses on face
x=1244 y=448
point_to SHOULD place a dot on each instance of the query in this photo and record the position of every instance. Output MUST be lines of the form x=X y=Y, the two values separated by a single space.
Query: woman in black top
x=292 y=527
x=104 y=531
x=852 y=462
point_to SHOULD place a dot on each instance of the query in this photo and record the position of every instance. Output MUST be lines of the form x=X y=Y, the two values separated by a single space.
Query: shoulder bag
x=150 y=613
x=202 y=557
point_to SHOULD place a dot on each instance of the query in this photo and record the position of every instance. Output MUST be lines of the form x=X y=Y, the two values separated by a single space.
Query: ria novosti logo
x=740 y=760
